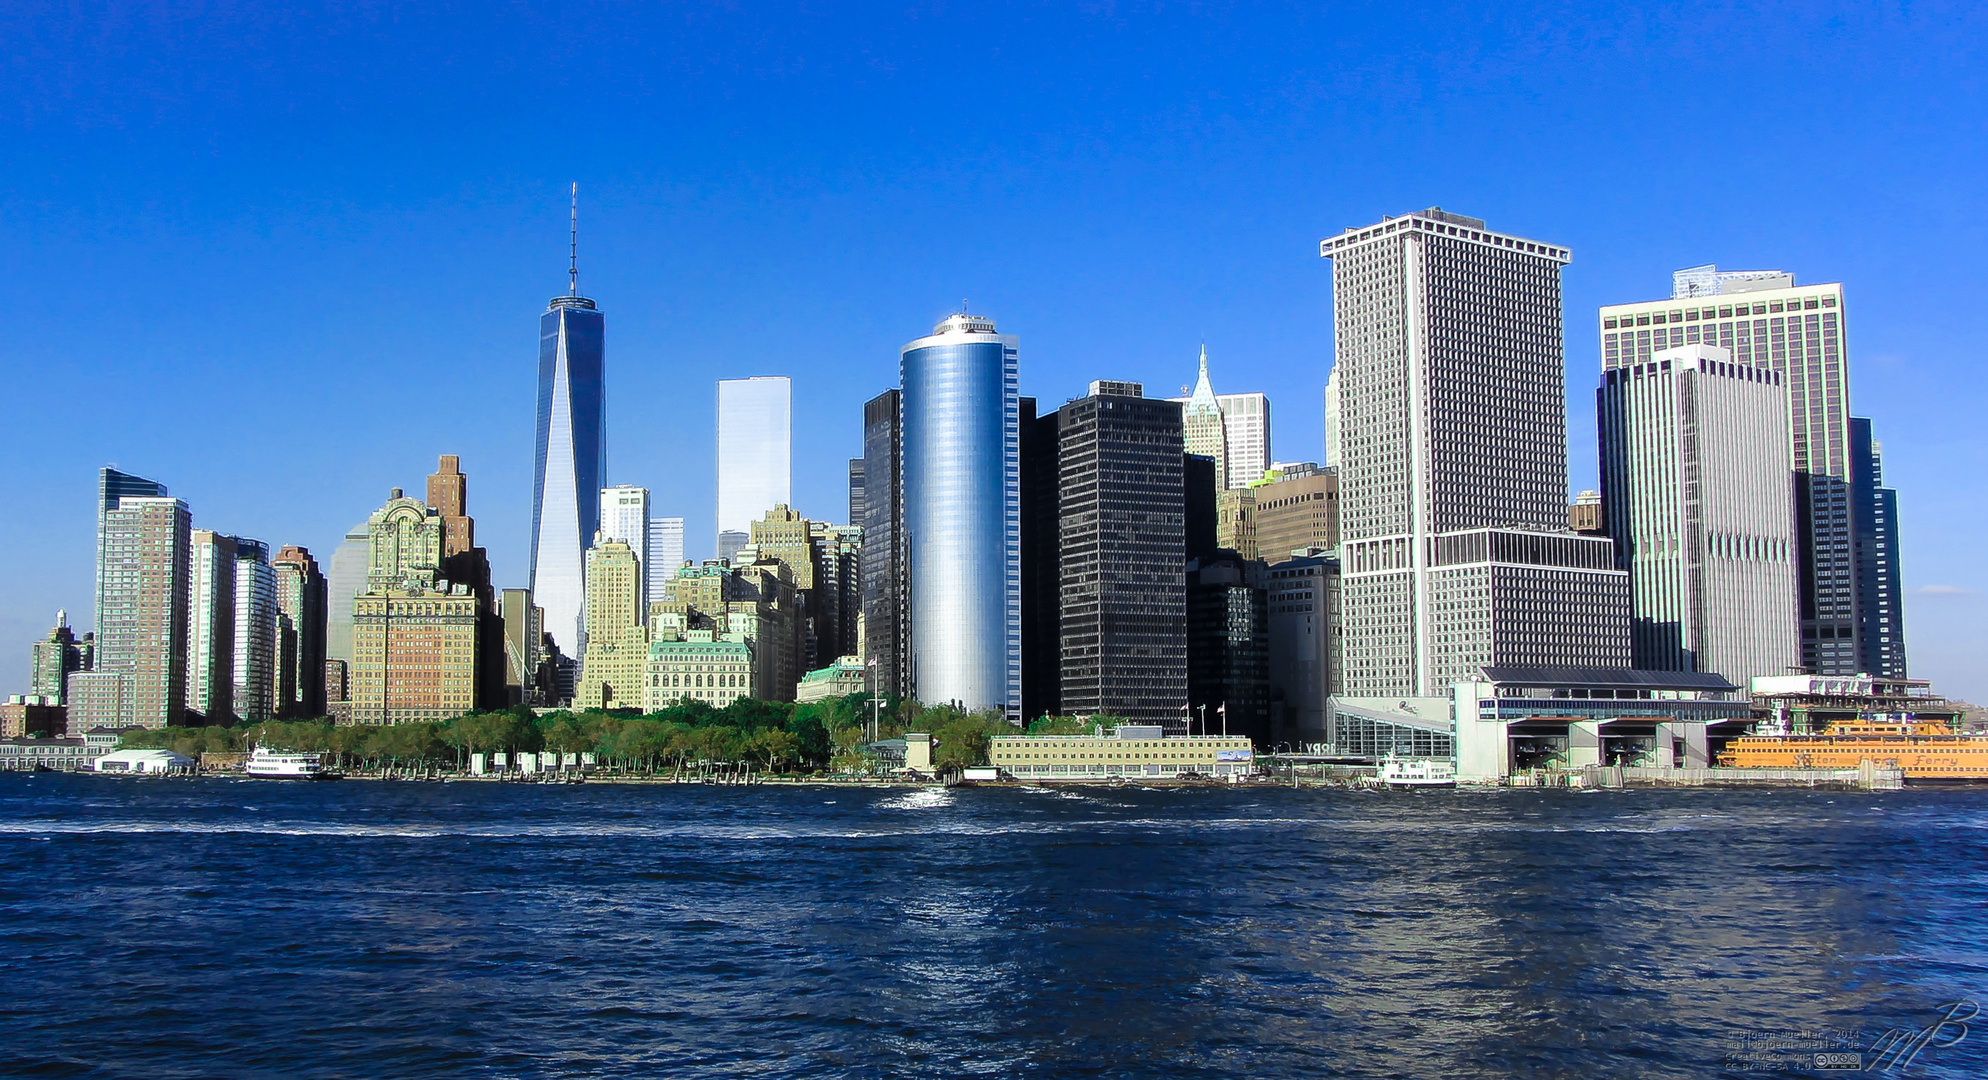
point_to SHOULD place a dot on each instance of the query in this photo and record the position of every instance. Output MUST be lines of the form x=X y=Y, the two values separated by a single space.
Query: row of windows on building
x=1722 y=311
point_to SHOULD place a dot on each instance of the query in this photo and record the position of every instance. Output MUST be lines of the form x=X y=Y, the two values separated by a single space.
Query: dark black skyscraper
x=1874 y=508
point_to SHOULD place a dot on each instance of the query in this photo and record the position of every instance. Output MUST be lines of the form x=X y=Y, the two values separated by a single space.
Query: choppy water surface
x=218 y=928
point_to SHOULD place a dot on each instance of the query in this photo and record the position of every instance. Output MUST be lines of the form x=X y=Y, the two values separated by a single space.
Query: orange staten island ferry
x=1926 y=751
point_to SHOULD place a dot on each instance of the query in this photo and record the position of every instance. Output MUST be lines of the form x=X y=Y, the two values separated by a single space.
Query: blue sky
x=279 y=257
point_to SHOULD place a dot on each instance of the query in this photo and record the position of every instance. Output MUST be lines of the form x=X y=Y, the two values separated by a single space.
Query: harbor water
x=240 y=928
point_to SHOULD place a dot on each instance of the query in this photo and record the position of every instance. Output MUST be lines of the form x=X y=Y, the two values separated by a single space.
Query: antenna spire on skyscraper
x=573 y=256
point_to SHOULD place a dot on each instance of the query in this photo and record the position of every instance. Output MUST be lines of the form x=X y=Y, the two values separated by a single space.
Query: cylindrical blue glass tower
x=962 y=515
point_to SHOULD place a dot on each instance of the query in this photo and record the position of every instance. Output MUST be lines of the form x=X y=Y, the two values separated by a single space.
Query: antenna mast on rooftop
x=573 y=255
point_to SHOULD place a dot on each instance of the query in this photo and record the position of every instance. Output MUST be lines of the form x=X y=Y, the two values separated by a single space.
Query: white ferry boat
x=285 y=765
x=1417 y=773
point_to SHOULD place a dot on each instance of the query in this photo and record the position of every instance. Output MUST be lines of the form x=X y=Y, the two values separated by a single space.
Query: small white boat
x=285 y=765
x=1418 y=773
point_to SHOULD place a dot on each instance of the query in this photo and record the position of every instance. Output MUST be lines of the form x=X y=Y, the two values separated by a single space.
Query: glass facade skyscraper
x=962 y=514
x=886 y=640
x=1880 y=608
x=572 y=461
x=755 y=454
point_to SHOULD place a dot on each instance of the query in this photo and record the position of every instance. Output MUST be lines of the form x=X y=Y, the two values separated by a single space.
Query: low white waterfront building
x=152 y=762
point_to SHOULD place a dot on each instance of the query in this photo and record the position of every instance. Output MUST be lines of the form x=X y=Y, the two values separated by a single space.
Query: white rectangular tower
x=1246 y=430
x=1453 y=471
x=666 y=549
x=755 y=453
x=625 y=517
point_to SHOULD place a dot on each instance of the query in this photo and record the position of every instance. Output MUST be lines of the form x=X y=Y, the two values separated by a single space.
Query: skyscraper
x=1201 y=423
x=1297 y=512
x=1228 y=651
x=210 y=638
x=55 y=658
x=142 y=570
x=625 y=517
x=113 y=485
x=255 y=632
x=1766 y=320
x=346 y=580
x=572 y=454
x=1333 y=450
x=961 y=467
x=525 y=675
x=415 y=641
x=617 y=640
x=448 y=493
x=886 y=615
x=300 y=602
x=1246 y=431
x=755 y=454
x=1700 y=501
x=1121 y=552
x=1453 y=484
x=856 y=484
x=1233 y=429
x=1880 y=612
x=784 y=535
x=838 y=591
x=665 y=554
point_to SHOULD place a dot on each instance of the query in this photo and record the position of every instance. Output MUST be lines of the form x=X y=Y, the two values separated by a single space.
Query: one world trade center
x=572 y=454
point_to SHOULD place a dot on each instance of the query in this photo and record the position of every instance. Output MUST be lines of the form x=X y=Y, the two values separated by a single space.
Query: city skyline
x=1135 y=228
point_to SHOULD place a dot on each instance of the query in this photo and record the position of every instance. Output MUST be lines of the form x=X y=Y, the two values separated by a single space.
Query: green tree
x=776 y=747
x=963 y=740
x=1057 y=725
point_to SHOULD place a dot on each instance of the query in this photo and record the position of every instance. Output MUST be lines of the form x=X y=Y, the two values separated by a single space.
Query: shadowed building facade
x=1120 y=555
x=301 y=595
x=886 y=619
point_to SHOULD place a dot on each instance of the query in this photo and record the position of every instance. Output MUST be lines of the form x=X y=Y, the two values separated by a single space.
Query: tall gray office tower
x=1701 y=504
x=1120 y=551
x=346 y=580
x=572 y=454
x=1453 y=483
x=962 y=514
x=1766 y=320
x=1880 y=608
x=886 y=618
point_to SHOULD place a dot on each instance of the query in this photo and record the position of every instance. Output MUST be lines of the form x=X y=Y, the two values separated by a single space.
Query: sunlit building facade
x=1453 y=479
x=572 y=461
x=962 y=514
x=755 y=454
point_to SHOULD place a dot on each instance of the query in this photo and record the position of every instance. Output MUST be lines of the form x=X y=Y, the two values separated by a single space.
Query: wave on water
x=920 y=799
